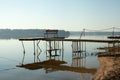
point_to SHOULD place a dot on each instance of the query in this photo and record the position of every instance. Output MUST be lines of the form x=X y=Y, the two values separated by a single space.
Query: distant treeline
x=23 y=33
x=72 y=33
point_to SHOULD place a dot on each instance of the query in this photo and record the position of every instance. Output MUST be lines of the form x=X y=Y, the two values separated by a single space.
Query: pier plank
x=68 y=39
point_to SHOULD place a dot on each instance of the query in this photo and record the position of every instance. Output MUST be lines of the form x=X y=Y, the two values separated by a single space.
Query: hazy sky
x=59 y=14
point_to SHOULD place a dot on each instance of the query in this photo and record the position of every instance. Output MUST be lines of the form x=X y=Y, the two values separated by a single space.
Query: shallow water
x=11 y=54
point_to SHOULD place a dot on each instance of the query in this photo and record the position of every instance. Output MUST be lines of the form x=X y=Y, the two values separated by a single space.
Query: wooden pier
x=55 y=46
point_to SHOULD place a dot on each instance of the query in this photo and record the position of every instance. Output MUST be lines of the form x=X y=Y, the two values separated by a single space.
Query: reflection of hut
x=55 y=65
x=39 y=65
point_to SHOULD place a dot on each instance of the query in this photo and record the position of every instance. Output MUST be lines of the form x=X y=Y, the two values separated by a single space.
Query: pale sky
x=59 y=14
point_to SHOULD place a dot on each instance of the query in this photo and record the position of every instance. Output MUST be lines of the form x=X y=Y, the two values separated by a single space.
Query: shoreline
x=109 y=69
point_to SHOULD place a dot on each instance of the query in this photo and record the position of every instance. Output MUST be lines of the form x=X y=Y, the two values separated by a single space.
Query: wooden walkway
x=68 y=39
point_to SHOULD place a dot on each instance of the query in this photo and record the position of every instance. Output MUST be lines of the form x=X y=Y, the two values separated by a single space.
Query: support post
x=34 y=50
x=62 y=50
x=50 y=49
x=38 y=51
x=23 y=52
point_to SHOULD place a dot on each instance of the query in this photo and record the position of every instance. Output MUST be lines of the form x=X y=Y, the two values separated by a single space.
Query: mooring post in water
x=118 y=47
x=55 y=44
x=80 y=47
x=38 y=51
x=46 y=49
x=85 y=50
x=62 y=50
x=34 y=50
x=23 y=52
x=50 y=49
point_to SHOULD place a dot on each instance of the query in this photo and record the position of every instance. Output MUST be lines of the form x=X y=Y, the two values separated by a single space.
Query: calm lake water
x=11 y=54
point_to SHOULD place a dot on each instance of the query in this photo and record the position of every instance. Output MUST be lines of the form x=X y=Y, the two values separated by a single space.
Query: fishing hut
x=53 y=47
